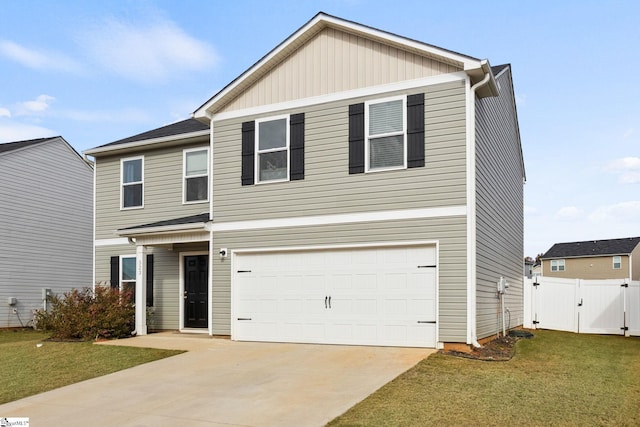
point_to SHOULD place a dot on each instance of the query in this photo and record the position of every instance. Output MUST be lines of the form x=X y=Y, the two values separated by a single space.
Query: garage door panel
x=372 y=296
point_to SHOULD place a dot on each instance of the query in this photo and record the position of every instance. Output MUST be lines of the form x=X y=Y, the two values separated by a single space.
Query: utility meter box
x=12 y=301
x=46 y=293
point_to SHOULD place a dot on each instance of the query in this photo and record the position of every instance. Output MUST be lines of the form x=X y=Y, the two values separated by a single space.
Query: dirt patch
x=500 y=349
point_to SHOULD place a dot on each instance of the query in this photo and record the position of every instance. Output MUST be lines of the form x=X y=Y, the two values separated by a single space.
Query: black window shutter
x=248 y=152
x=356 y=138
x=415 y=130
x=115 y=272
x=150 y=280
x=296 y=136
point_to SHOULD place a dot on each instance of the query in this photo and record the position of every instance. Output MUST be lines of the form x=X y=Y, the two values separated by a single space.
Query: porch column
x=141 y=290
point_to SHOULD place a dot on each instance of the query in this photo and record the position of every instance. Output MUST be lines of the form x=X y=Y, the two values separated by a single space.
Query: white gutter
x=472 y=333
x=211 y=250
x=194 y=226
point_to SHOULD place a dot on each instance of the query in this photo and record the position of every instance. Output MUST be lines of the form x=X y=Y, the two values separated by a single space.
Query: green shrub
x=87 y=315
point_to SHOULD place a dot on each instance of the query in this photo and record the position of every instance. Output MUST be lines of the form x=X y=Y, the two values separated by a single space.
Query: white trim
x=163 y=229
x=181 y=327
x=341 y=96
x=340 y=218
x=110 y=242
x=144 y=142
x=334 y=246
x=322 y=21
x=184 y=175
x=368 y=137
x=257 y=151
x=93 y=217
x=127 y=159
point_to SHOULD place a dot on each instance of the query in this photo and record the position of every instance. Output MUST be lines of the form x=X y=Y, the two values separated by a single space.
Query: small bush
x=87 y=315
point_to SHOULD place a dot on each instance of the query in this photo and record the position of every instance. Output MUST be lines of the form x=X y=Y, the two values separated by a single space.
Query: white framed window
x=385 y=134
x=557 y=265
x=132 y=183
x=128 y=273
x=195 y=183
x=617 y=262
x=272 y=149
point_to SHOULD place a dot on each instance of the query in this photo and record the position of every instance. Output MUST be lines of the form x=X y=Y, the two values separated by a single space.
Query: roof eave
x=110 y=149
x=164 y=229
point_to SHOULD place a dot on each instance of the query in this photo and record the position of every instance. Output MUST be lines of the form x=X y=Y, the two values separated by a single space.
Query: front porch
x=175 y=281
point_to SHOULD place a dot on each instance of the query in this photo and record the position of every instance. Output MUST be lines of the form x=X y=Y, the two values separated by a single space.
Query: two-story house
x=46 y=225
x=351 y=187
x=594 y=259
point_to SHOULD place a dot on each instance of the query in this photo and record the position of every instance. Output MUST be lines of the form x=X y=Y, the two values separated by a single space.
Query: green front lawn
x=555 y=378
x=27 y=368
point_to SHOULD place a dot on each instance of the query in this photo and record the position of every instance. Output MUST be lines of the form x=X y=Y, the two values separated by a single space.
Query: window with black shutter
x=387 y=134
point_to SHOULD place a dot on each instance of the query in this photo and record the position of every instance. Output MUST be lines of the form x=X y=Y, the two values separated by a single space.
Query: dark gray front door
x=196 y=269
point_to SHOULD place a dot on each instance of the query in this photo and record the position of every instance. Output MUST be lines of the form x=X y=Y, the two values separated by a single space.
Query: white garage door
x=362 y=296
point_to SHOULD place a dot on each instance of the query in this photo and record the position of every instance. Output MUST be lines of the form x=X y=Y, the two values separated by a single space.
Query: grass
x=555 y=379
x=26 y=369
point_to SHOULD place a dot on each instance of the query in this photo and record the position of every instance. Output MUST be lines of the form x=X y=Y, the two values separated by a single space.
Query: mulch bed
x=497 y=350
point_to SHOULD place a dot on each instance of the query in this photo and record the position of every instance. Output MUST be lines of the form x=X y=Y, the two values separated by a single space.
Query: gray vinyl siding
x=46 y=223
x=327 y=187
x=499 y=207
x=163 y=175
x=166 y=279
x=450 y=232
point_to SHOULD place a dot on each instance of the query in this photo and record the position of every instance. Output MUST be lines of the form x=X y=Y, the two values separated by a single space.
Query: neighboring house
x=594 y=259
x=351 y=187
x=528 y=268
x=45 y=218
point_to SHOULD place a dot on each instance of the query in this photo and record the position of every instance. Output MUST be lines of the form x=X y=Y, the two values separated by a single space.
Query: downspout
x=471 y=208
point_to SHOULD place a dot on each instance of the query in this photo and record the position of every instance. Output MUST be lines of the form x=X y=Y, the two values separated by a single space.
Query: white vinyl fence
x=582 y=306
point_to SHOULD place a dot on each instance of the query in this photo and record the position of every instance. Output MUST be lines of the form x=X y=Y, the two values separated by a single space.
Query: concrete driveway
x=219 y=382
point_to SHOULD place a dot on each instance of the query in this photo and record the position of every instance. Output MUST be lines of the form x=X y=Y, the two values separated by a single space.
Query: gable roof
x=184 y=129
x=475 y=67
x=11 y=146
x=191 y=222
x=591 y=248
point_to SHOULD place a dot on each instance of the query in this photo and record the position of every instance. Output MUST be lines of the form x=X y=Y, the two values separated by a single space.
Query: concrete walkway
x=219 y=382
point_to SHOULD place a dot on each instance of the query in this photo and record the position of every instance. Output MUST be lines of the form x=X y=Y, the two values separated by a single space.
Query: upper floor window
x=617 y=262
x=272 y=149
x=385 y=130
x=196 y=175
x=557 y=265
x=132 y=178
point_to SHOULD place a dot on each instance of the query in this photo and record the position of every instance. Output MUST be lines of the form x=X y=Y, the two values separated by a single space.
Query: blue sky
x=98 y=71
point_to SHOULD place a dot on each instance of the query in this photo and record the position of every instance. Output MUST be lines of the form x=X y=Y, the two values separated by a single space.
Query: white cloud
x=10 y=132
x=619 y=213
x=4 y=112
x=521 y=100
x=628 y=133
x=130 y=115
x=627 y=169
x=146 y=52
x=569 y=213
x=38 y=60
x=37 y=106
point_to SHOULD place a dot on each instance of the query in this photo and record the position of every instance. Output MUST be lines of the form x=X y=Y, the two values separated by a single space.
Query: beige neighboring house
x=594 y=259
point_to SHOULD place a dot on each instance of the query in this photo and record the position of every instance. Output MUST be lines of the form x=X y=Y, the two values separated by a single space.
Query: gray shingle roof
x=179 y=128
x=10 y=146
x=593 y=248
x=192 y=219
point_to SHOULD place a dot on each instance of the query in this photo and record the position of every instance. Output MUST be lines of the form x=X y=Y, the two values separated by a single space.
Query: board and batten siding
x=46 y=226
x=499 y=207
x=450 y=232
x=336 y=61
x=327 y=187
x=163 y=177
